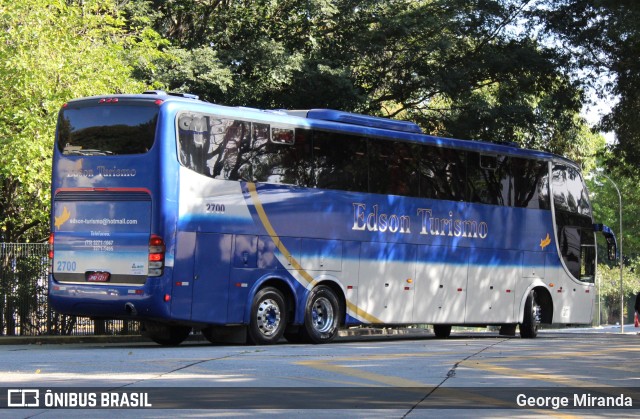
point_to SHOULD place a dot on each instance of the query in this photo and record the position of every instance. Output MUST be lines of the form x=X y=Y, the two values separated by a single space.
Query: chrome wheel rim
x=322 y=315
x=268 y=317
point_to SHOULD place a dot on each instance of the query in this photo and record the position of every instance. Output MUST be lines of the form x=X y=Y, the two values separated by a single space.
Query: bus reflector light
x=167 y=298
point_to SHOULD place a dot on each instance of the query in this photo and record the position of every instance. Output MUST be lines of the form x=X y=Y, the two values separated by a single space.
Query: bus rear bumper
x=106 y=301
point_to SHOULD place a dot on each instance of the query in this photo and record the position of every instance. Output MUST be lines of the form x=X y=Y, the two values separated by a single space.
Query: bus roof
x=335 y=121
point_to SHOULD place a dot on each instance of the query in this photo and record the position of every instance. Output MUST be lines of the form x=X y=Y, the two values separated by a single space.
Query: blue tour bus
x=253 y=225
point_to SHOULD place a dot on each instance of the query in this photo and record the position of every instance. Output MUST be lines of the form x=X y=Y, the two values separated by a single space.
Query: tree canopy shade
x=50 y=52
x=457 y=67
x=603 y=38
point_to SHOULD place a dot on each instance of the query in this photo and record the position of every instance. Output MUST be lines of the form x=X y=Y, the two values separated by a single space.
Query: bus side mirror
x=612 y=246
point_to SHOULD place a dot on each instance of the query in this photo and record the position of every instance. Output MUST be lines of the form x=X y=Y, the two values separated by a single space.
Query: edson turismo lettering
x=102 y=171
x=375 y=220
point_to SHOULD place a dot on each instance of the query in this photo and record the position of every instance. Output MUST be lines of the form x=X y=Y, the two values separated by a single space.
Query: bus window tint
x=393 y=168
x=442 y=173
x=215 y=147
x=489 y=179
x=340 y=162
x=577 y=246
x=560 y=193
x=282 y=163
x=531 y=183
x=577 y=192
x=569 y=191
x=107 y=130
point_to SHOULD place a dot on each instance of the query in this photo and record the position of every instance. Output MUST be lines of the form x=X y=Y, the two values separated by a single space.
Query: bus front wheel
x=321 y=316
x=268 y=317
x=531 y=320
x=442 y=331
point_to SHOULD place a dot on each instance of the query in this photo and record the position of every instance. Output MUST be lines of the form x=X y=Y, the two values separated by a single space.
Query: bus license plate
x=98 y=276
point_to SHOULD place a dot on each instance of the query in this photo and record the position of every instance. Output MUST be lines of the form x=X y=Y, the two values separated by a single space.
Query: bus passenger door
x=491 y=289
x=211 y=278
x=386 y=288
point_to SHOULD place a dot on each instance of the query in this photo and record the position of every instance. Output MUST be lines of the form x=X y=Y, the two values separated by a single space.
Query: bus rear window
x=107 y=130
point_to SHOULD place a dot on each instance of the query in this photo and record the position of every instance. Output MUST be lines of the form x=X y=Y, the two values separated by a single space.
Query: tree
x=457 y=67
x=50 y=52
x=606 y=209
x=603 y=38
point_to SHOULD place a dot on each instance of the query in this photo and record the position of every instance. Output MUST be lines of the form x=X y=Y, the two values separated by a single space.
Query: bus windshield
x=107 y=129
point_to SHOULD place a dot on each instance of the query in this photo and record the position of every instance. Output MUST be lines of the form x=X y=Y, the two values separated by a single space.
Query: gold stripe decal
x=264 y=219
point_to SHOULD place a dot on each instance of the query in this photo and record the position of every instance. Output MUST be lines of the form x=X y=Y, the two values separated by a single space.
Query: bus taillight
x=50 y=253
x=51 y=246
x=156 y=255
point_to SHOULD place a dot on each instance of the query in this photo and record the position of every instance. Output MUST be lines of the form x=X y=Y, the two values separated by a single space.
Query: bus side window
x=442 y=173
x=489 y=179
x=281 y=162
x=193 y=136
x=228 y=156
x=531 y=183
x=577 y=192
x=340 y=162
x=560 y=193
x=393 y=168
x=578 y=249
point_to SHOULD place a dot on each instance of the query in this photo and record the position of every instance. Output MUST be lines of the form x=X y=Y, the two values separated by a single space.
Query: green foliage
x=606 y=209
x=457 y=67
x=50 y=52
x=603 y=38
x=609 y=289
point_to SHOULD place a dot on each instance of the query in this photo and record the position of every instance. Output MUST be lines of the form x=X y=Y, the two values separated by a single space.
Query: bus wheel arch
x=323 y=313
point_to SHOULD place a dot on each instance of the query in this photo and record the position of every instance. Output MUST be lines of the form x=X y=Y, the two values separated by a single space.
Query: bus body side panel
x=491 y=287
x=572 y=300
x=441 y=283
x=183 y=276
x=479 y=249
x=211 y=280
x=387 y=289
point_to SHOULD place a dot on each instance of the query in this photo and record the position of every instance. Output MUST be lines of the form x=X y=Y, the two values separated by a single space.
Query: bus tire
x=531 y=320
x=165 y=334
x=268 y=317
x=321 y=316
x=442 y=331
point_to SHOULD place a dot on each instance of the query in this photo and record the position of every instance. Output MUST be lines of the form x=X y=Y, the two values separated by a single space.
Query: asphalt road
x=561 y=373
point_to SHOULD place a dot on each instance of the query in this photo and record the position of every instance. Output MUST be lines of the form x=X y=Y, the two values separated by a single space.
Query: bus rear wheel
x=268 y=317
x=166 y=334
x=321 y=316
x=532 y=316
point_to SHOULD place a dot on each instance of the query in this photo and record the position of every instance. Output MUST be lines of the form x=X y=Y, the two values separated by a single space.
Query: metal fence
x=24 y=310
